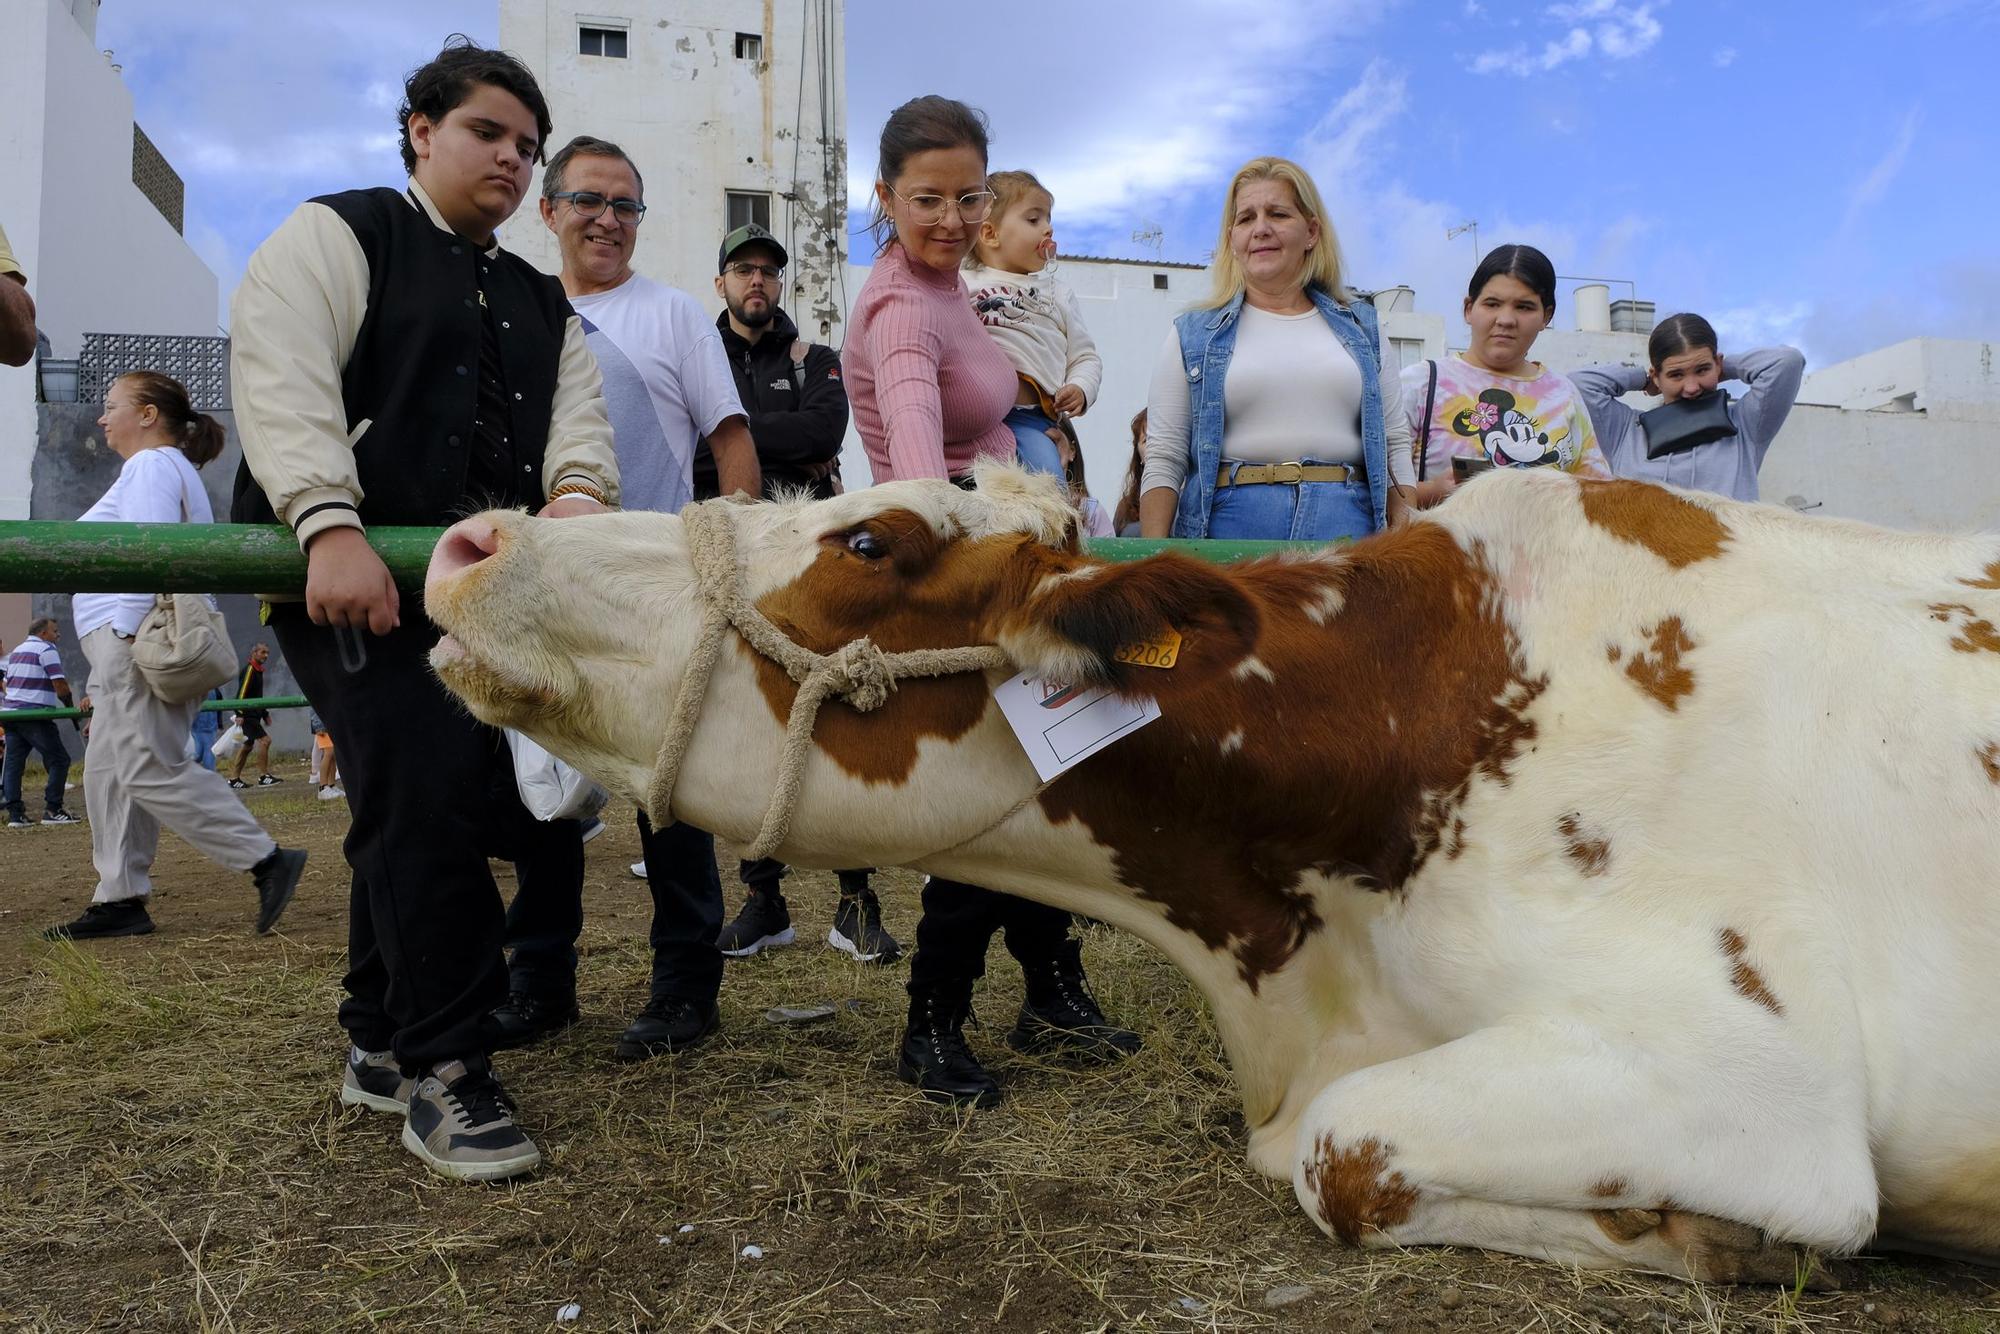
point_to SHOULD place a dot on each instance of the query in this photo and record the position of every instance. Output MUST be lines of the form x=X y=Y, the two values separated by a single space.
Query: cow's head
x=578 y=632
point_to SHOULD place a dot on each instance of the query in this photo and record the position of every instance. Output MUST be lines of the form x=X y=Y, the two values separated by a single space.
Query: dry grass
x=173 y=1157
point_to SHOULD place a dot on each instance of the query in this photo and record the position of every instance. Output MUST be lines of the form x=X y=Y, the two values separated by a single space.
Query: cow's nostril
x=466 y=543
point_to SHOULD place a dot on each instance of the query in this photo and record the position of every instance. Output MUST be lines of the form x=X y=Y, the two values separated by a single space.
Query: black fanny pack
x=1687 y=422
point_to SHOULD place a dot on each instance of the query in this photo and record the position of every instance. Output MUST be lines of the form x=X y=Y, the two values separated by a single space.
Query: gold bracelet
x=579 y=489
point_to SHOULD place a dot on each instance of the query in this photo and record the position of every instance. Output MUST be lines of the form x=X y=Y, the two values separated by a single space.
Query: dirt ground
x=172 y=1154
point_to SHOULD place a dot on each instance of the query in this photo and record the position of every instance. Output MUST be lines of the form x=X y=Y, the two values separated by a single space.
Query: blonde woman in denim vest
x=1303 y=437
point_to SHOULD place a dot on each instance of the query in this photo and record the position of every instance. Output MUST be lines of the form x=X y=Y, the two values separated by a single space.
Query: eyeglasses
x=744 y=269
x=589 y=204
x=929 y=210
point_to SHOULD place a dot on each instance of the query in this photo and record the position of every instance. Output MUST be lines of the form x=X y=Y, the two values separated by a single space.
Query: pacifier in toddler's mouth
x=1047 y=249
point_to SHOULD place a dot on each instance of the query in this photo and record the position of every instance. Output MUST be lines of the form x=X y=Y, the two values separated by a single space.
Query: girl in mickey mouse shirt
x=1493 y=404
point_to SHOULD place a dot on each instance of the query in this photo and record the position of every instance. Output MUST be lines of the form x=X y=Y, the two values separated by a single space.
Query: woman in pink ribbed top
x=930 y=390
x=929 y=387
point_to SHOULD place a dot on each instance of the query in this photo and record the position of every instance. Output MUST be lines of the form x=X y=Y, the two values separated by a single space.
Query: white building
x=734 y=111
x=92 y=211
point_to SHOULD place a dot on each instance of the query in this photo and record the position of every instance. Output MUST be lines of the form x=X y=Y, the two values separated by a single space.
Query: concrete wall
x=1903 y=469
x=698 y=122
x=98 y=255
x=72 y=468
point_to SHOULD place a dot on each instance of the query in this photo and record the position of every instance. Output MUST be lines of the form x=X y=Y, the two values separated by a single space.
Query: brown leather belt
x=1285 y=474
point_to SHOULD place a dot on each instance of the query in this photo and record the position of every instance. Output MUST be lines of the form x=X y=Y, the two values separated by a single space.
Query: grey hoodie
x=1727 y=467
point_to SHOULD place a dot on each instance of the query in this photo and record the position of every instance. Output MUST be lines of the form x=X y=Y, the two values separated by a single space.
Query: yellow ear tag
x=1161 y=651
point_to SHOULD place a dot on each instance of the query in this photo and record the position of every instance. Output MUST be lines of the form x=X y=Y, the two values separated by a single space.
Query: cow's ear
x=1074 y=624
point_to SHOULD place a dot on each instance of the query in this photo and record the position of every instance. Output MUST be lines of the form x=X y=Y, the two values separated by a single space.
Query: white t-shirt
x=1035 y=320
x=1292 y=392
x=152 y=487
x=666 y=384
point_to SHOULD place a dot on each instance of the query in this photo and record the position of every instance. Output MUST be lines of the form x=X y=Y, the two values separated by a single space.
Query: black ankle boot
x=934 y=1055
x=1060 y=1014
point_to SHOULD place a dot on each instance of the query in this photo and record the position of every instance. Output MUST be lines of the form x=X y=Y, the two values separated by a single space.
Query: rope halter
x=859 y=672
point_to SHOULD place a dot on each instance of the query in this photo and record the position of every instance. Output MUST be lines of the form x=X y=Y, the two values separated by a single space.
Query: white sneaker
x=331 y=793
x=639 y=870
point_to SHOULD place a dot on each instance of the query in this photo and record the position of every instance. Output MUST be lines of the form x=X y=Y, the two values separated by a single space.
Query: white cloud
x=1615 y=30
x=1874 y=183
x=1574 y=46
x=1723 y=58
x=1125 y=133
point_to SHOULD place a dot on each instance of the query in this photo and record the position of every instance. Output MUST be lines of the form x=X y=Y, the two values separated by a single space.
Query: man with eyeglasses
x=666 y=385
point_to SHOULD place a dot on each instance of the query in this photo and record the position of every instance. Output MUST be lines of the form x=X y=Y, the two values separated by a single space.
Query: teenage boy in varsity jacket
x=393 y=365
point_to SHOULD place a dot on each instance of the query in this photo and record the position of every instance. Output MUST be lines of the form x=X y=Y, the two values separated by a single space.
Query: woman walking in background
x=930 y=393
x=1686 y=366
x=1492 y=406
x=136 y=771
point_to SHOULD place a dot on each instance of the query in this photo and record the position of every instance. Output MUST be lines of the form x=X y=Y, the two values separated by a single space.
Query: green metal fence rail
x=212 y=706
x=39 y=557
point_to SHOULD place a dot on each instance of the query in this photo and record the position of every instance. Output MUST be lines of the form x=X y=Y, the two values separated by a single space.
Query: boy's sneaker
x=277 y=876
x=61 y=817
x=461 y=1123
x=20 y=821
x=126 y=917
x=668 y=1023
x=763 y=923
x=593 y=829
x=373 y=1081
x=269 y=780
x=857 y=930
x=238 y=783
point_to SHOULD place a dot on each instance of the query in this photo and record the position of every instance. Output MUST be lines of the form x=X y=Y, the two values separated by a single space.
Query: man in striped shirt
x=35 y=680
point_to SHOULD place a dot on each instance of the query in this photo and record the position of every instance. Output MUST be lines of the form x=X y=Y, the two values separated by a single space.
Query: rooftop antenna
x=1149 y=236
x=1469 y=225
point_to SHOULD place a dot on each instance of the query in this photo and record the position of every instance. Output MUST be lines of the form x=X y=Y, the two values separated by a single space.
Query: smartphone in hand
x=1463 y=467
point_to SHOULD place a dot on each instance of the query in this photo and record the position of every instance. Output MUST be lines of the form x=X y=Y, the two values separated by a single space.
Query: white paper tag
x=1062 y=725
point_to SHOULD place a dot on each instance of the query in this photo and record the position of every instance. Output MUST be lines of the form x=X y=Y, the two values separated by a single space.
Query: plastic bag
x=551 y=789
x=229 y=742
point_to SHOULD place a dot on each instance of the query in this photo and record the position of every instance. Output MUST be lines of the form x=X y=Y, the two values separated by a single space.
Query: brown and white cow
x=1589 y=870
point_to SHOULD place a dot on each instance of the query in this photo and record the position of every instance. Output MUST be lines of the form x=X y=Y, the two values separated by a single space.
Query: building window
x=1159 y=282
x=1409 y=351
x=749 y=46
x=746 y=207
x=592 y=41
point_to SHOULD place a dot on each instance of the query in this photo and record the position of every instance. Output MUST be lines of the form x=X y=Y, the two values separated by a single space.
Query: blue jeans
x=40 y=737
x=1302 y=512
x=1031 y=441
x=203 y=732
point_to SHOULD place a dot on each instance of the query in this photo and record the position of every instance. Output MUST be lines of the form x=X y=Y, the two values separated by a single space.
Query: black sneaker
x=61 y=817
x=126 y=917
x=667 y=1024
x=857 y=930
x=20 y=821
x=269 y=780
x=1060 y=1014
x=764 y=923
x=238 y=783
x=277 y=876
x=461 y=1123
x=373 y=1081
x=528 y=1018
x=935 y=1058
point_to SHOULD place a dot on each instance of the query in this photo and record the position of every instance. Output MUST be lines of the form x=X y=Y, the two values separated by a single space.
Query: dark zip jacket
x=798 y=413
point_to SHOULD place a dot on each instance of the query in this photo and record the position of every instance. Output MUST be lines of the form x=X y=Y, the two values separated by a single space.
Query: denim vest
x=1208 y=339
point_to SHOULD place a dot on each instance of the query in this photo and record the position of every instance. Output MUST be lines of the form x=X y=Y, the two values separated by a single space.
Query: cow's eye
x=867 y=545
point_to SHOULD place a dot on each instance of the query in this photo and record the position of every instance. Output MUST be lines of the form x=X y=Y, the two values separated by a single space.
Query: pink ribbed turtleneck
x=928 y=385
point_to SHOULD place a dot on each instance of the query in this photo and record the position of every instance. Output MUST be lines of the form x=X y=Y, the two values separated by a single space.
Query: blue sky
x=1815 y=172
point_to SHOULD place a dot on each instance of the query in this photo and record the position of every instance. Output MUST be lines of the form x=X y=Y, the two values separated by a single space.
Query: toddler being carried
x=1032 y=316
